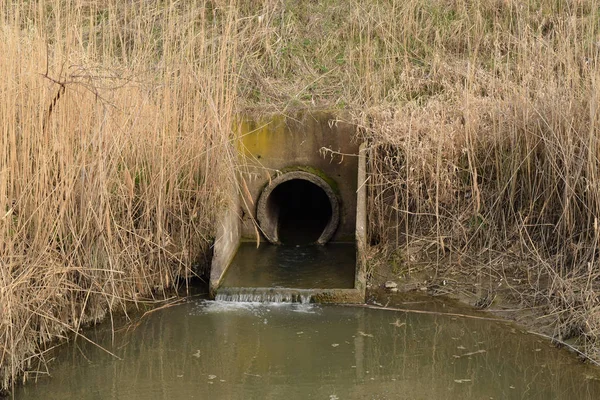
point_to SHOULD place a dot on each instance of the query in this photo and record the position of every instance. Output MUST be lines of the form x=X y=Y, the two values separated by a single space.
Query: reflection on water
x=221 y=350
x=303 y=267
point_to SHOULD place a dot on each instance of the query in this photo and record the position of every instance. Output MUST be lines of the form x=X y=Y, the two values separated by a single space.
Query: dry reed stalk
x=115 y=153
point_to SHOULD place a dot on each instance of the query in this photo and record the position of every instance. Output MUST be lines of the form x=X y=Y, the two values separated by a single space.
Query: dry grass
x=483 y=129
x=116 y=116
x=115 y=157
x=498 y=151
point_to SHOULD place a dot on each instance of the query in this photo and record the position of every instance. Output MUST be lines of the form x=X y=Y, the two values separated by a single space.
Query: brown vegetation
x=481 y=119
x=114 y=158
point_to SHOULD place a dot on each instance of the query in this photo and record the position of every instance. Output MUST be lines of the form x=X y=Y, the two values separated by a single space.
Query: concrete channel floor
x=331 y=266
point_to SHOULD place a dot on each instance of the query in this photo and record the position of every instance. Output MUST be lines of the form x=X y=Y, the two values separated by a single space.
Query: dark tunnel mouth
x=298 y=208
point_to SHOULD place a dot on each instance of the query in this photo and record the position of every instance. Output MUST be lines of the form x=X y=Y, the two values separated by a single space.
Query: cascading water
x=265 y=295
x=288 y=274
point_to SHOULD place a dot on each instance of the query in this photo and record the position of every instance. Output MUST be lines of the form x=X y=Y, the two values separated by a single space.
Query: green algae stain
x=271 y=138
x=260 y=138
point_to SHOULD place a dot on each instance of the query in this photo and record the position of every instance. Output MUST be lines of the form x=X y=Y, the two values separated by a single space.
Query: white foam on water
x=305 y=308
x=257 y=309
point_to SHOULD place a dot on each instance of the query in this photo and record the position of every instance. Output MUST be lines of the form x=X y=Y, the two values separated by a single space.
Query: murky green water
x=219 y=350
x=302 y=267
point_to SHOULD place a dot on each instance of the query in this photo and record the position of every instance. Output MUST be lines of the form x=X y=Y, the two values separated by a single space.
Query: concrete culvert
x=298 y=208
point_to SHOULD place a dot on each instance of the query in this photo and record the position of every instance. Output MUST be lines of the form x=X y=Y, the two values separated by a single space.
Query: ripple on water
x=254 y=308
x=225 y=350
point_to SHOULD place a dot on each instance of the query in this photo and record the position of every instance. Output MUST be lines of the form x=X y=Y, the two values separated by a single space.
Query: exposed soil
x=498 y=288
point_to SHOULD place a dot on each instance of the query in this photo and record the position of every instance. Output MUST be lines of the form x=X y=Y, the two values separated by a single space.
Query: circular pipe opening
x=298 y=208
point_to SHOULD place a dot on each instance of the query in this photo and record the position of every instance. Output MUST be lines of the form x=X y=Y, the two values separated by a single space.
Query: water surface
x=221 y=350
x=330 y=266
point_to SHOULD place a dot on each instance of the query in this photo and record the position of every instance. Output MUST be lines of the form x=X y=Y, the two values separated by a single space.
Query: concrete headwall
x=310 y=141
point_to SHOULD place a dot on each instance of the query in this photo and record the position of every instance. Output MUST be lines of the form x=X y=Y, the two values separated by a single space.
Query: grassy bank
x=482 y=122
x=481 y=119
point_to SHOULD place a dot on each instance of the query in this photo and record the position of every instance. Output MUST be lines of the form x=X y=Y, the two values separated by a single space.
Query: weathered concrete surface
x=226 y=244
x=360 y=278
x=339 y=296
x=311 y=141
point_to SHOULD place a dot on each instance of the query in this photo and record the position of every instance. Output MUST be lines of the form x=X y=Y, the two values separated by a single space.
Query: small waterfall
x=265 y=295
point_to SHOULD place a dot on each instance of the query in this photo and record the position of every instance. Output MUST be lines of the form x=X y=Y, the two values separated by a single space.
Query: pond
x=223 y=350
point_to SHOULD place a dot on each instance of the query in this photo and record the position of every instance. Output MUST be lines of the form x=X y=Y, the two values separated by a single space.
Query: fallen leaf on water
x=474 y=352
x=334 y=344
x=361 y=333
x=470 y=354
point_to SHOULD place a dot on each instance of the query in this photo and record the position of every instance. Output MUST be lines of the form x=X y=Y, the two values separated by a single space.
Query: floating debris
x=474 y=352
x=391 y=285
x=470 y=353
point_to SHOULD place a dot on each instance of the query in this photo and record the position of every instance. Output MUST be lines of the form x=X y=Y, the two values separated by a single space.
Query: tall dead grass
x=115 y=157
x=491 y=149
x=481 y=119
x=499 y=151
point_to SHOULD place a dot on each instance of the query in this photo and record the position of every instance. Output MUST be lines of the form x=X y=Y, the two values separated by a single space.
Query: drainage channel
x=284 y=273
x=296 y=231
